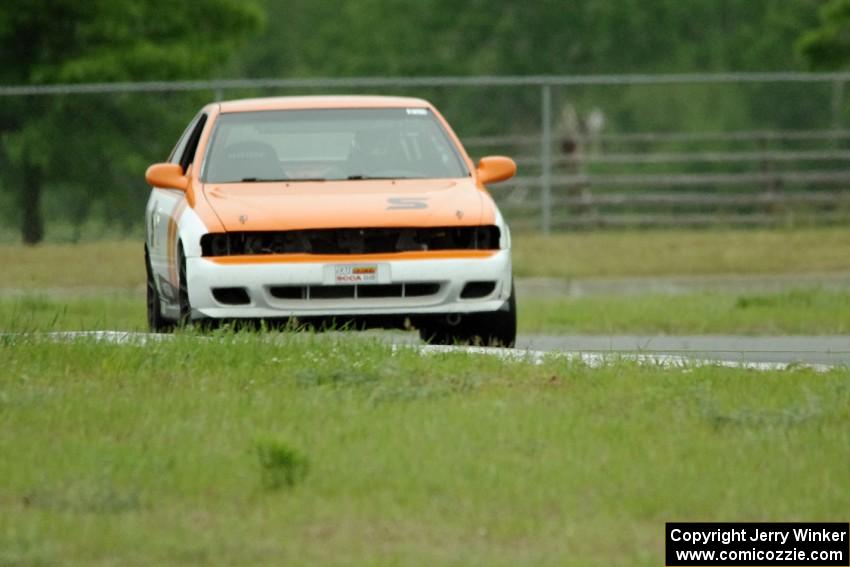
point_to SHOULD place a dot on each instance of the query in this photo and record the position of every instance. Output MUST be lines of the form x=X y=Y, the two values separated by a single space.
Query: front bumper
x=259 y=279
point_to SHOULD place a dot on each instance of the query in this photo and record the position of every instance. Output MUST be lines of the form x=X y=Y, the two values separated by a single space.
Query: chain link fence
x=593 y=152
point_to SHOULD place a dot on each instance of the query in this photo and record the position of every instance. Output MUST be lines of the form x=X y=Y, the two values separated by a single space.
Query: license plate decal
x=356 y=274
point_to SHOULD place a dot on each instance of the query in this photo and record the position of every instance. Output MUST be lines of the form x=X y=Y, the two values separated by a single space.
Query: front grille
x=385 y=290
x=372 y=291
x=332 y=292
x=351 y=241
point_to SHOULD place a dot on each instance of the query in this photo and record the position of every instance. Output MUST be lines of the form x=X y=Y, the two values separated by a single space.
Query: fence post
x=546 y=159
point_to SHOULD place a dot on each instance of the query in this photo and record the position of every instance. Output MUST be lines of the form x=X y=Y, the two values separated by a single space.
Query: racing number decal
x=406 y=203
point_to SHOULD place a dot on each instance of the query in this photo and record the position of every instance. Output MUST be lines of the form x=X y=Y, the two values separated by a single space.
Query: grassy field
x=327 y=450
x=682 y=252
x=803 y=311
x=809 y=311
x=68 y=266
x=246 y=449
x=115 y=311
x=571 y=255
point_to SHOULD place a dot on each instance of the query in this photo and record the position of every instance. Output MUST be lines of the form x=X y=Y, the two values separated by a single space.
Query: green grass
x=40 y=312
x=682 y=252
x=316 y=450
x=120 y=264
x=66 y=266
x=804 y=311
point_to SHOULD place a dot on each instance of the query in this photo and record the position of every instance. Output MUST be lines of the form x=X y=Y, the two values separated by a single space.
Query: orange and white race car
x=337 y=208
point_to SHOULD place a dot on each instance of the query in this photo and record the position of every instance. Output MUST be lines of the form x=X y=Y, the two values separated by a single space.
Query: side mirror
x=493 y=169
x=167 y=176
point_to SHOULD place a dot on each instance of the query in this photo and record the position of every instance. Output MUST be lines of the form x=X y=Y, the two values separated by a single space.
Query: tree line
x=73 y=158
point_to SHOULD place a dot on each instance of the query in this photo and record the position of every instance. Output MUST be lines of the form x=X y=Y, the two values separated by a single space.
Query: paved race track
x=831 y=350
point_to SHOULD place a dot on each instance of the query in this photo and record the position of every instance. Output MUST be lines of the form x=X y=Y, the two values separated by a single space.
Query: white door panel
x=162 y=239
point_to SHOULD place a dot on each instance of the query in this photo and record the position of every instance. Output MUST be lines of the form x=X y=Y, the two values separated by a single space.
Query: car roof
x=321 y=102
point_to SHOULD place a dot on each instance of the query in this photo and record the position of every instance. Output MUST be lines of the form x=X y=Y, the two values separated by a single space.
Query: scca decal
x=401 y=203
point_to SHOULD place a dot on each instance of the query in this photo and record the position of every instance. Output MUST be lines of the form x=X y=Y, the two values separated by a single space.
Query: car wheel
x=156 y=322
x=185 y=309
x=497 y=328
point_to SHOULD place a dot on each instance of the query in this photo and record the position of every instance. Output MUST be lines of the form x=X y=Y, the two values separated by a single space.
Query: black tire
x=184 y=307
x=183 y=304
x=156 y=322
x=436 y=333
x=497 y=328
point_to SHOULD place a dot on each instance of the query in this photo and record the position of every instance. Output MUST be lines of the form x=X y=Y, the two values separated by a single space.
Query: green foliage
x=443 y=37
x=827 y=47
x=281 y=466
x=102 y=41
x=89 y=151
x=59 y=41
x=504 y=37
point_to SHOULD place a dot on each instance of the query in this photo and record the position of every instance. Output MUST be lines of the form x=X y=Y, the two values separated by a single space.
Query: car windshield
x=333 y=144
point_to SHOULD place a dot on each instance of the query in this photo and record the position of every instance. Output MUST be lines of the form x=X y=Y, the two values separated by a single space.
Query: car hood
x=349 y=204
